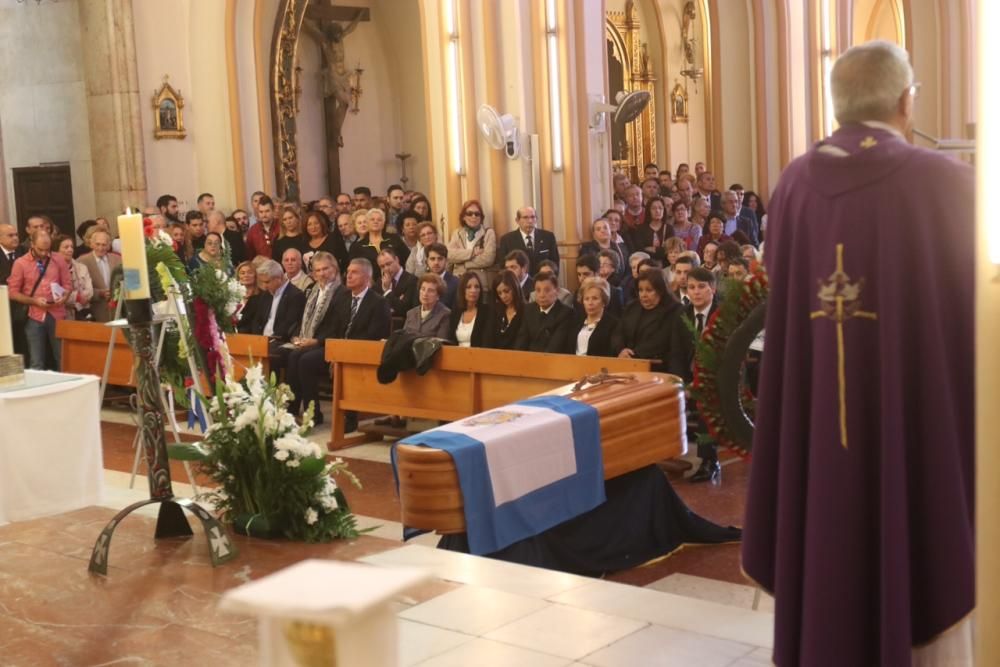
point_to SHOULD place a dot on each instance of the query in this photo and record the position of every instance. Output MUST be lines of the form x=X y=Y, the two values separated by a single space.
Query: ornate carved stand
x=171 y=521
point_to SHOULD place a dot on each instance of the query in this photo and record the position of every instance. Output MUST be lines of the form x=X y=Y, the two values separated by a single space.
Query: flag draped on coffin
x=522 y=468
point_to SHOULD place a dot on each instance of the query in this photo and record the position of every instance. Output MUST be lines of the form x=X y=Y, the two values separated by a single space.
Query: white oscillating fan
x=499 y=130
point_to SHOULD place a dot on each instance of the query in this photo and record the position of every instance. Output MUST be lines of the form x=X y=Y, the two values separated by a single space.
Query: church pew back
x=462 y=381
x=85 y=348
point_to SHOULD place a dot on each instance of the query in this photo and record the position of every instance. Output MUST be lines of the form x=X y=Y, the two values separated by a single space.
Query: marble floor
x=157 y=606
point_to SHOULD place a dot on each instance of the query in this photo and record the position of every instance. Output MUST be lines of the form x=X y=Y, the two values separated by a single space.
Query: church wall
x=43 y=97
x=686 y=142
x=735 y=73
x=212 y=127
x=246 y=78
x=163 y=43
x=186 y=40
x=372 y=137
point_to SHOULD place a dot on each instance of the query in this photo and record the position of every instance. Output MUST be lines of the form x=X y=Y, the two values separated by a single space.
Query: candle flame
x=128 y=211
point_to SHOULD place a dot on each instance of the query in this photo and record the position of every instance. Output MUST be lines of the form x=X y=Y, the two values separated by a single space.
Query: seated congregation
x=358 y=268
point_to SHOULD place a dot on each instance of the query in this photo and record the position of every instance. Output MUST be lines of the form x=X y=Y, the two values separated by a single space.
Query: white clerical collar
x=879 y=125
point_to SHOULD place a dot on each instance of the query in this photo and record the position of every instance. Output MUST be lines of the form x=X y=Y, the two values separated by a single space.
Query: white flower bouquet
x=271 y=479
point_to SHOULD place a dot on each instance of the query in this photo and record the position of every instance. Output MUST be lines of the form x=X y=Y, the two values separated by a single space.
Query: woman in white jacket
x=473 y=246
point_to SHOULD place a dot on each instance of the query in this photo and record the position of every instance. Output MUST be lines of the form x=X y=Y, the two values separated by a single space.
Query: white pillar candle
x=6 y=334
x=134 y=267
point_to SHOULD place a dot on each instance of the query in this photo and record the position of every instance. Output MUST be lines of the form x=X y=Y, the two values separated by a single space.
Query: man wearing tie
x=538 y=244
x=101 y=264
x=682 y=269
x=362 y=314
x=701 y=292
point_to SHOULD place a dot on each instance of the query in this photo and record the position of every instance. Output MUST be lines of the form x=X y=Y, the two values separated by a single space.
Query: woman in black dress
x=322 y=237
x=471 y=320
x=508 y=308
x=595 y=326
x=291 y=234
x=651 y=326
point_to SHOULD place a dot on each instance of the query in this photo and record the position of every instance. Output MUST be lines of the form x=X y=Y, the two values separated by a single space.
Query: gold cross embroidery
x=840 y=300
x=868 y=142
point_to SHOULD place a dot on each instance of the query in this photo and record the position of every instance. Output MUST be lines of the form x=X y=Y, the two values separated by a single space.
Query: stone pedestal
x=11 y=370
x=114 y=104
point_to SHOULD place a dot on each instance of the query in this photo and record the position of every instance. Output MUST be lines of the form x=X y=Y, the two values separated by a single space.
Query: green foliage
x=218 y=292
x=739 y=298
x=264 y=466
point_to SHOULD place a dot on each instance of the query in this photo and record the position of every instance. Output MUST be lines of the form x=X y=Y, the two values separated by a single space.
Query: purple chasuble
x=860 y=507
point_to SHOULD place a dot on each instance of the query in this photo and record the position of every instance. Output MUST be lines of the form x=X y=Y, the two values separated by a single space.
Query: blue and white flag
x=522 y=468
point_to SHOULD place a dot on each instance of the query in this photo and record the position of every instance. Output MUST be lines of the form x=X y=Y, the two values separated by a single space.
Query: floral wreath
x=741 y=298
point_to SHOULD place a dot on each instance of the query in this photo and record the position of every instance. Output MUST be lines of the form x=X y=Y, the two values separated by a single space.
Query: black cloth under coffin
x=643 y=519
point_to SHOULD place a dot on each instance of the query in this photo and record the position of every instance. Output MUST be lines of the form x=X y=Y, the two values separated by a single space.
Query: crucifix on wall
x=329 y=25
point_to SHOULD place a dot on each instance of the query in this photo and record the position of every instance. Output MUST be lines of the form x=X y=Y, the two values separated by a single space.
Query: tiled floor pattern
x=478 y=611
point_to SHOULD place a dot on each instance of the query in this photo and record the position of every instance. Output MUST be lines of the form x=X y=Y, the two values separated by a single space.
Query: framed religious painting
x=168 y=113
x=679 y=104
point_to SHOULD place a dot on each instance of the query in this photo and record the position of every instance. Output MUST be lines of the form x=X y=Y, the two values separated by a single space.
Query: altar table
x=50 y=446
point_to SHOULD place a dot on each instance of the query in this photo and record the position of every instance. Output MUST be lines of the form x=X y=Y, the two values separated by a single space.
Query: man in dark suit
x=736 y=221
x=362 y=314
x=548 y=324
x=516 y=261
x=280 y=314
x=701 y=293
x=745 y=211
x=705 y=186
x=319 y=322
x=9 y=251
x=437 y=262
x=398 y=287
x=537 y=244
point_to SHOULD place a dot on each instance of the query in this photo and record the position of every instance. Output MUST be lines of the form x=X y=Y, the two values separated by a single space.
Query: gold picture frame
x=168 y=112
x=679 y=104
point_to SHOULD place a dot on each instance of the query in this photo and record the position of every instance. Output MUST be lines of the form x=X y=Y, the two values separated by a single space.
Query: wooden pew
x=85 y=349
x=248 y=349
x=462 y=382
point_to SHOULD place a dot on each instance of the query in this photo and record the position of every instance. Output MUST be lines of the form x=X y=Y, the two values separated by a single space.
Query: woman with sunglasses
x=473 y=246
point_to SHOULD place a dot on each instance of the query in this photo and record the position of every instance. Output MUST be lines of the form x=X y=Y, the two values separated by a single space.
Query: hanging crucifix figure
x=329 y=25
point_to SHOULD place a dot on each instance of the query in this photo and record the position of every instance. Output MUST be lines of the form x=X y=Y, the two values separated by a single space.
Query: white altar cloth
x=50 y=446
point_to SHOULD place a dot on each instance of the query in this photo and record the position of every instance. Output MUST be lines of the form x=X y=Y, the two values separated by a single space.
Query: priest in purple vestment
x=860 y=507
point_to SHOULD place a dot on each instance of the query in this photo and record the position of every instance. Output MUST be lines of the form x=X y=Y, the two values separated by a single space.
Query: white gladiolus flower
x=312 y=516
x=281 y=454
x=246 y=418
x=292 y=463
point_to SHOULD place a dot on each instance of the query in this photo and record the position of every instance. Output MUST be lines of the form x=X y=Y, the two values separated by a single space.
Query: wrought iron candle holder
x=170 y=521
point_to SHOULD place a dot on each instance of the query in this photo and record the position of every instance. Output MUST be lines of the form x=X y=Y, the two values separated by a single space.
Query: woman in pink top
x=41 y=280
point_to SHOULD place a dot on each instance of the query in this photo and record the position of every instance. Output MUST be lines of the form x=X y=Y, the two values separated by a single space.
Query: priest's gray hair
x=868 y=80
x=271 y=269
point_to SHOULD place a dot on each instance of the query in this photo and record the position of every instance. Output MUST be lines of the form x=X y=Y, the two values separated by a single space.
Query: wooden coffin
x=642 y=422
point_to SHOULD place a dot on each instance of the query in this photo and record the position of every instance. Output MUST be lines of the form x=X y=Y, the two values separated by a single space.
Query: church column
x=987 y=352
x=113 y=105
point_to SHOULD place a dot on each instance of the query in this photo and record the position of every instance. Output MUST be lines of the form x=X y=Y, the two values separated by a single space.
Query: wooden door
x=45 y=191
